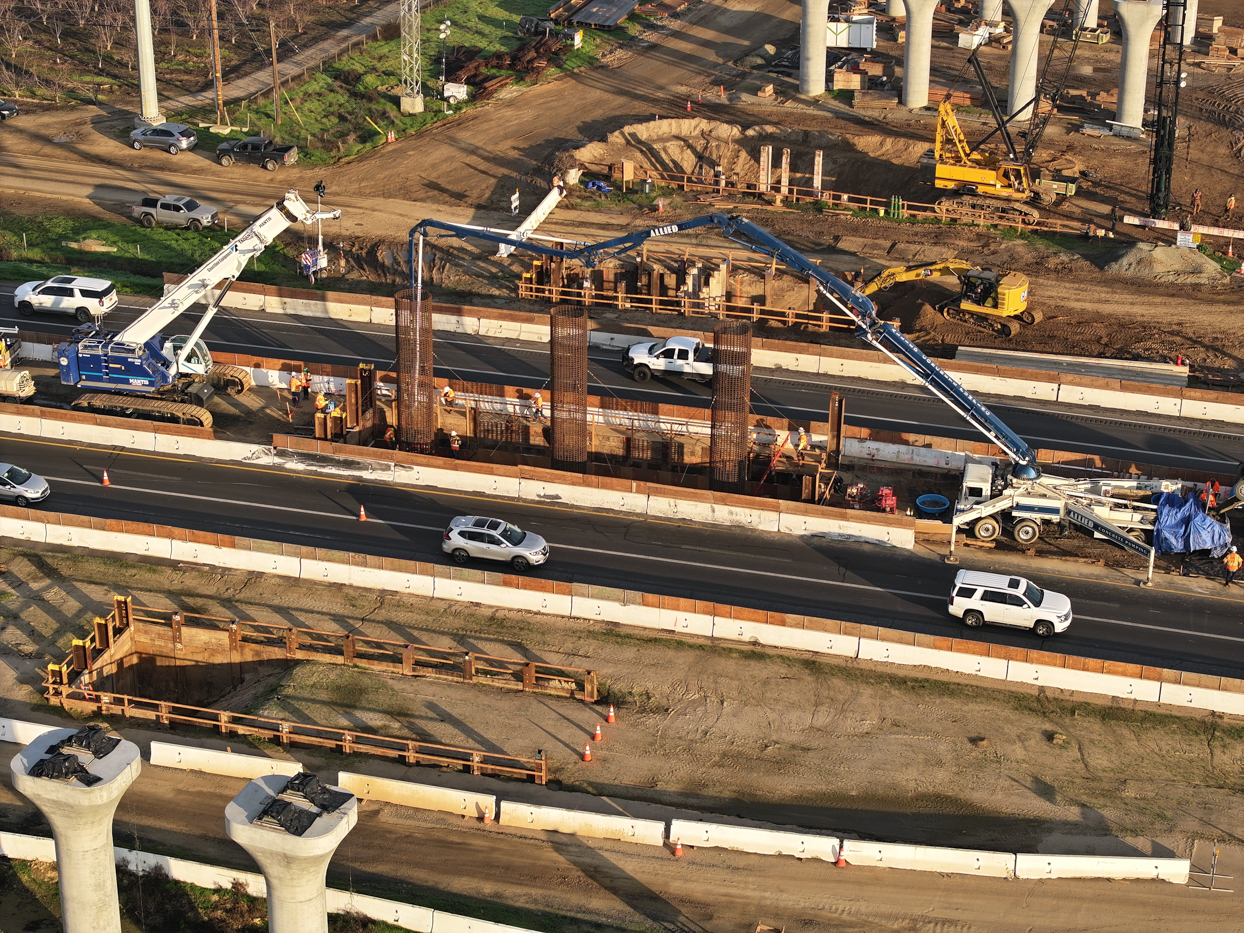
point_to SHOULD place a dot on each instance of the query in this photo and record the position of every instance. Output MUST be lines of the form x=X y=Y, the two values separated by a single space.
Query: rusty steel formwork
x=732 y=390
x=416 y=405
x=568 y=366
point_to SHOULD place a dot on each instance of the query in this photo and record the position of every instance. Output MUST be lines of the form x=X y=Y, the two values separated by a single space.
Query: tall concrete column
x=1026 y=15
x=895 y=8
x=1192 y=8
x=292 y=833
x=991 y=10
x=150 y=114
x=1087 y=13
x=917 y=51
x=77 y=788
x=1137 y=19
x=813 y=33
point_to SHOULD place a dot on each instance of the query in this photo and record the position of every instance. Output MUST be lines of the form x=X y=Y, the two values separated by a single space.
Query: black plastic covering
x=64 y=766
x=289 y=816
x=305 y=784
x=94 y=740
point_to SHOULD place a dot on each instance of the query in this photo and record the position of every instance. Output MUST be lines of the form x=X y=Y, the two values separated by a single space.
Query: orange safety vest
x=447 y=394
x=389 y=435
x=455 y=442
x=1233 y=562
x=803 y=442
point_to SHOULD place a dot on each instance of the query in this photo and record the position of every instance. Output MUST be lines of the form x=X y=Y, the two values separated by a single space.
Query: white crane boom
x=224 y=267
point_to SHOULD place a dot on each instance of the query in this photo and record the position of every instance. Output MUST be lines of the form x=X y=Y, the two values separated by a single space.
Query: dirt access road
x=758 y=735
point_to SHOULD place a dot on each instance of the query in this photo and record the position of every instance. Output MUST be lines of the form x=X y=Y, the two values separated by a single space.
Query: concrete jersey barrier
x=580 y=823
x=1174 y=870
x=421 y=796
x=750 y=839
x=928 y=858
x=20 y=732
x=211 y=761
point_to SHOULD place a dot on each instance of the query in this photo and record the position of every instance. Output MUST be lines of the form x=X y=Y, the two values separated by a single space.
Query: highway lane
x=890 y=407
x=1184 y=624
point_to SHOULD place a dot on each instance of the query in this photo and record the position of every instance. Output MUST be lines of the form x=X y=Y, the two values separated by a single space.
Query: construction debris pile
x=529 y=61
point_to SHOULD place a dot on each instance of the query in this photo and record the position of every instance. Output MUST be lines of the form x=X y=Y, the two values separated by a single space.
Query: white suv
x=86 y=299
x=978 y=598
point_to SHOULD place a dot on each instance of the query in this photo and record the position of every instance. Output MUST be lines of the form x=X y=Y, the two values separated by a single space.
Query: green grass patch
x=350 y=105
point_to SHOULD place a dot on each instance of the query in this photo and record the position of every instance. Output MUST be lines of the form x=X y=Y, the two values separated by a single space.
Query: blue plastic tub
x=932 y=506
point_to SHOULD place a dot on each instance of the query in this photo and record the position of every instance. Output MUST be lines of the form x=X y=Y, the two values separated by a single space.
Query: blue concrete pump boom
x=868 y=327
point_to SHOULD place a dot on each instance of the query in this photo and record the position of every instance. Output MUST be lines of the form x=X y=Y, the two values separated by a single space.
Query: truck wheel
x=269 y=164
x=172 y=149
x=147 y=220
x=642 y=374
x=83 y=315
x=1027 y=531
x=1238 y=490
x=1043 y=629
x=225 y=160
x=137 y=144
x=973 y=619
x=1137 y=535
x=195 y=226
x=25 y=309
x=986 y=529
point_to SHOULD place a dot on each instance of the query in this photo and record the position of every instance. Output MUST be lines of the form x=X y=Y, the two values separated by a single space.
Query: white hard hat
x=1233 y=549
x=801 y=430
x=453 y=433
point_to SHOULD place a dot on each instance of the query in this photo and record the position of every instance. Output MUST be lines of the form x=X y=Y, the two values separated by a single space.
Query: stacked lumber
x=874 y=100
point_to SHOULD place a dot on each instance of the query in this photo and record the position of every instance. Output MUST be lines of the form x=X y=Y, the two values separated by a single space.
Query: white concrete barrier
x=20 y=732
x=579 y=823
x=1202 y=698
x=27 y=848
x=22 y=530
x=808 y=640
x=1174 y=870
x=489 y=595
x=870 y=450
x=687 y=623
x=928 y=858
x=754 y=839
x=453 y=923
x=406 y=916
x=235 y=558
x=211 y=761
x=420 y=796
x=109 y=541
x=891 y=653
x=1110 y=685
x=794 y=523
x=595 y=609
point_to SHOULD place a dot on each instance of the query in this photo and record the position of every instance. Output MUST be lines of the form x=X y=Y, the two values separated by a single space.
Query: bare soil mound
x=1168 y=264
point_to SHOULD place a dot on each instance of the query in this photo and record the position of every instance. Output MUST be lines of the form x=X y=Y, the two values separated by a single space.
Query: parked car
x=84 y=298
x=256 y=150
x=21 y=487
x=7 y=110
x=493 y=539
x=1001 y=599
x=171 y=137
x=174 y=210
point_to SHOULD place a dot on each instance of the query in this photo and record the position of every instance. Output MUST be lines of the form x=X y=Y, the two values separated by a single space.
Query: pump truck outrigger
x=139 y=373
x=1024 y=473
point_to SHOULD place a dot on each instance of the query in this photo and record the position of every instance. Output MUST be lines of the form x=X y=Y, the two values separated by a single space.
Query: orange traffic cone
x=611 y=717
x=1230 y=249
x=677 y=848
x=587 y=753
x=598 y=732
x=106 y=481
x=362 y=514
x=842 y=855
x=688 y=106
x=487 y=815
x=390 y=138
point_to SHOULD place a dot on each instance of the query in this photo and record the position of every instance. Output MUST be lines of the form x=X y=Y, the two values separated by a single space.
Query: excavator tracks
x=149 y=409
x=1002 y=326
x=232 y=380
x=971 y=208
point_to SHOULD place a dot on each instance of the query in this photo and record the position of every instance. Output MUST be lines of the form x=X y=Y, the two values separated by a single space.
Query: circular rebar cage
x=416 y=408
x=732 y=390
x=568 y=368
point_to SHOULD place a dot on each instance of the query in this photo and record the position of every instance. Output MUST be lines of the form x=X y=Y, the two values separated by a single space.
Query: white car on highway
x=493 y=539
x=85 y=298
x=1002 y=599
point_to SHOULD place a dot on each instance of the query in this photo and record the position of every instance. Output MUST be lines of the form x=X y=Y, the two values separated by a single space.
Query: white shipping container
x=851 y=32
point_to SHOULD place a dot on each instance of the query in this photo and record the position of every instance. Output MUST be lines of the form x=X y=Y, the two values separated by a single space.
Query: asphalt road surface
x=884 y=406
x=1191 y=625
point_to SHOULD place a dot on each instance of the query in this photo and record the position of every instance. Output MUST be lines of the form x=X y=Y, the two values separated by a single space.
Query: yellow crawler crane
x=985 y=182
x=988 y=299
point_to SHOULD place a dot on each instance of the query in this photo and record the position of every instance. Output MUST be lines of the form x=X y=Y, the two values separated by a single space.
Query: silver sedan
x=493 y=539
x=21 y=487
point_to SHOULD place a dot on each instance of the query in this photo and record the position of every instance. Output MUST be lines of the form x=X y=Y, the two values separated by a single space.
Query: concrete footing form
x=917 y=51
x=1137 y=18
x=812 y=37
x=291 y=826
x=76 y=778
x=1026 y=16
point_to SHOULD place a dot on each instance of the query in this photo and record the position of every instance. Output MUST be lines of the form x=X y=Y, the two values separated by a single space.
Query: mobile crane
x=991 y=300
x=138 y=373
x=1024 y=474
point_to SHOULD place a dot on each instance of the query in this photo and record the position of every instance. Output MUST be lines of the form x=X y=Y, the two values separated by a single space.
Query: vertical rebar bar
x=568 y=367
x=415 y=408
x=732 y=390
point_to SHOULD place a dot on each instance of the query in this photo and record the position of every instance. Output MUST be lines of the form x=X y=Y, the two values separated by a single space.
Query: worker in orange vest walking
x=801 y=446
x=455 y=444
x=295 y=389
x=390 y=437
x=1231 y=565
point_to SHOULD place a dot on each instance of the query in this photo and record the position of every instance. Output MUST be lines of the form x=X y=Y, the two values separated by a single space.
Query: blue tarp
x=1182 y=527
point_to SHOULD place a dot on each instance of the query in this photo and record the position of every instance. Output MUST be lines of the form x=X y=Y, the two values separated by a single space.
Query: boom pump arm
x=868 y=327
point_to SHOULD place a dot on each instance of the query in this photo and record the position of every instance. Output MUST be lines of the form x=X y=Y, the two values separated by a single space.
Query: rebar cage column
x=732 y=390
x=415 y=408
x=568 y=367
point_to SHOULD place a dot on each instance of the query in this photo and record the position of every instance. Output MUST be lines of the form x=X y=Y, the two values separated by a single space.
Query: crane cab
x=990 y=292
x=198 y=361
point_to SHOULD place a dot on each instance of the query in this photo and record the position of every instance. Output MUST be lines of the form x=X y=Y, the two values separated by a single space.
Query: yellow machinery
x=993 y=301
x=985 y=181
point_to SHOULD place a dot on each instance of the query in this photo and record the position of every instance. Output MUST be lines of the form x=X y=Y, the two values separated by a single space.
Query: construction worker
x=455 y=444
x=1209 y=497
x=801 y=445
x=306 y=381
x=1196 y=202
x=390 y=437
x=1230 y=207
x=537 y=406
x=447 y=397
x=320 y=401
x=1231 y=565
x=295 y=389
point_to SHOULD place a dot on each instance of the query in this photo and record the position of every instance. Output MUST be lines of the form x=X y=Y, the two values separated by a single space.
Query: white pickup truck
x=686 y=357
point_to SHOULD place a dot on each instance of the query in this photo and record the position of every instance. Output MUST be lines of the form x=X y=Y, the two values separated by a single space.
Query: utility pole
x=220 y=87
x=276 y=78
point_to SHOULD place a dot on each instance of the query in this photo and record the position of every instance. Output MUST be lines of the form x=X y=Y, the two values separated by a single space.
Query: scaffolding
x=568 y=367
x=732 y=390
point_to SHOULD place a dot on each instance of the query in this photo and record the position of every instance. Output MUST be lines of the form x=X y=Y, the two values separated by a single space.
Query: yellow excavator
x=991 y=300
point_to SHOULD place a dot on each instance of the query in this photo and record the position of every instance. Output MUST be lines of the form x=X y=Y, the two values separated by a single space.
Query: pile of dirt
x=1167 y=264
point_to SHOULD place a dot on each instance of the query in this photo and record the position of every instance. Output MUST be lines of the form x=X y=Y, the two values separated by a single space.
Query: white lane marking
x=1163 y=628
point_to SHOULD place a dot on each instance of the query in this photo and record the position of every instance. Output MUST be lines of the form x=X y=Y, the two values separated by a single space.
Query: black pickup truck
x=256 y=150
